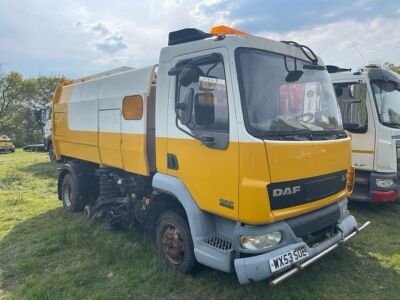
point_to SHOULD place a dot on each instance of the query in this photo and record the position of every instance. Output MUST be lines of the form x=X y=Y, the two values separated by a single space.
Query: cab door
x=357 y=118
x=202 y=147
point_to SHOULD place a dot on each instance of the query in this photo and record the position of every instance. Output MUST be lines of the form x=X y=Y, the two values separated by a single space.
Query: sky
x=77 y=38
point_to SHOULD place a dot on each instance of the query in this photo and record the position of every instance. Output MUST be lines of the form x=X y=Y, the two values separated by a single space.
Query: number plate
x=284 y=260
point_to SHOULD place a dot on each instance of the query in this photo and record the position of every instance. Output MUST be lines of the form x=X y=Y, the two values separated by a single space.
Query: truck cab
x=369 y=100
x=46 y=124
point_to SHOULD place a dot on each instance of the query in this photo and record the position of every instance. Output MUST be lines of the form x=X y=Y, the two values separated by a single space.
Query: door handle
x=207 y=140
x=172 y=161
x=359 y=165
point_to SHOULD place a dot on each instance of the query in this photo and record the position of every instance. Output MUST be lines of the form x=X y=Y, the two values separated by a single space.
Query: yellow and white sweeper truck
x=231 y=148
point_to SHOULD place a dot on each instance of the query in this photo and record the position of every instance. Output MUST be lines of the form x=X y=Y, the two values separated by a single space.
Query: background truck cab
x=46 y=124
x=369 y=100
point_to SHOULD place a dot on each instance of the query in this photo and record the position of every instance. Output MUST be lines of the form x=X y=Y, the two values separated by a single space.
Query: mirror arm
x=175 y=70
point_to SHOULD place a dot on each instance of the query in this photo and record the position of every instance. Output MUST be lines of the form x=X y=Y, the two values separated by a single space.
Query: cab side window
x=203 y=82
x=352 y=98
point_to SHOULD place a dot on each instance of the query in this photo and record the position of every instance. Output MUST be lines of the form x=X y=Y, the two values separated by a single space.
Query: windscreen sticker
x=211 y=84
x=385 y=117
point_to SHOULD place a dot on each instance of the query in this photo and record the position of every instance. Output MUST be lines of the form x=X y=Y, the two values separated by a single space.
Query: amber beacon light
x=223 y=29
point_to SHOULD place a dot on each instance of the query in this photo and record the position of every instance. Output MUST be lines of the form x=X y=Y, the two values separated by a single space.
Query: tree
x=20 y=103
x=44 y=87
x=10 y=93
x=393 y=67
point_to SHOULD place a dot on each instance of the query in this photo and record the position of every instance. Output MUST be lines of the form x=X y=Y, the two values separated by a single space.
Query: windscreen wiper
x=309 y=134
x=328 y=132
x=314 y=67
x=286 y=135
x=337 y=133
x=394 y=125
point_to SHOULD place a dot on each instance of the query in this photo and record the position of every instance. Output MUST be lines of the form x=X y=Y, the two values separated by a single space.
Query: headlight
x=262 y=241
x=384 y=183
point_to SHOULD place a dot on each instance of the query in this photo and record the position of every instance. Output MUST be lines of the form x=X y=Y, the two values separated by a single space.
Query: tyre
x=69 y=194
x=174 y=242
x=52 y=155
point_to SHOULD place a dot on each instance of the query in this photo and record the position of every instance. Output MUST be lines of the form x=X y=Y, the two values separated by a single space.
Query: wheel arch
x=173 y=189
x=82 y=173
x=165 y=201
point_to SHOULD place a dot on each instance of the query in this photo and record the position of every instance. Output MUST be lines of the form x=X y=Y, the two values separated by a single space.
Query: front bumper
x=366 y=189
x=255 y=268
x=380 y=194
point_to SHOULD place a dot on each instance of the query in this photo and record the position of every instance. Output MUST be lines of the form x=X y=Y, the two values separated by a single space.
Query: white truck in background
x=46 y=123
x=369 y=101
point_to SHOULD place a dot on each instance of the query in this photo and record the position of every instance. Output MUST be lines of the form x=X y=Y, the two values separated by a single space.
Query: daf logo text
x=285 y=191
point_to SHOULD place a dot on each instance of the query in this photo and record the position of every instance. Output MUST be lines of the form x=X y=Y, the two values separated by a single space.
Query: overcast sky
x=76 y=38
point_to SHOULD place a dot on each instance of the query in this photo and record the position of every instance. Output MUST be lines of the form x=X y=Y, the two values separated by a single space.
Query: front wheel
x=174 y=242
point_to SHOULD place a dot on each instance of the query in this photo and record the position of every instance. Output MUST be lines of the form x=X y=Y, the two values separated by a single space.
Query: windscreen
x=387 y=99
x=283 y=95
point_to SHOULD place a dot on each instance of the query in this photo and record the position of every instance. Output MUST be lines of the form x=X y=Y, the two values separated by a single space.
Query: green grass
x=46 y=253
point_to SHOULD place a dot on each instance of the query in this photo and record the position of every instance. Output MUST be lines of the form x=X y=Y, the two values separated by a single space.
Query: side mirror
x=338 y=92
x=190 y=75
x=204 y=110
x=293 y=76
x=351 y=90
x=350 y=126
x=184 y=109
x=355 y=128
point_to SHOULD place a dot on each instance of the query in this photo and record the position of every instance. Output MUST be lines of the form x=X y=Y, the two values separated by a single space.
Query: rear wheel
x=174 y=242
x=70 y=195
x=52 y=155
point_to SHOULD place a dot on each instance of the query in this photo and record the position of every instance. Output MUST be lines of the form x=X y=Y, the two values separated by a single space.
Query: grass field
x=46 y=253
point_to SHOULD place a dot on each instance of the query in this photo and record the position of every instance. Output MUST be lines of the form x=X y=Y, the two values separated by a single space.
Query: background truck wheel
x=52 y=155
x=174 y=242
x=69 y=194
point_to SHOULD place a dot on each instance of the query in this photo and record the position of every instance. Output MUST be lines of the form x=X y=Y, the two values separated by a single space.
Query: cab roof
x=4 y=138
x=191 y=40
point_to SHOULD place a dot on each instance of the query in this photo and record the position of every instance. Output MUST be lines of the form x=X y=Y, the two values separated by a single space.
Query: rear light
x=350 y=179
x=384 y=196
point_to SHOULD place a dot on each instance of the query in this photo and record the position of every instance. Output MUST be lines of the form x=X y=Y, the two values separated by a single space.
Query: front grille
x=297 y=192
x=219 y=242
x=315 y=221
x=314 y=239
